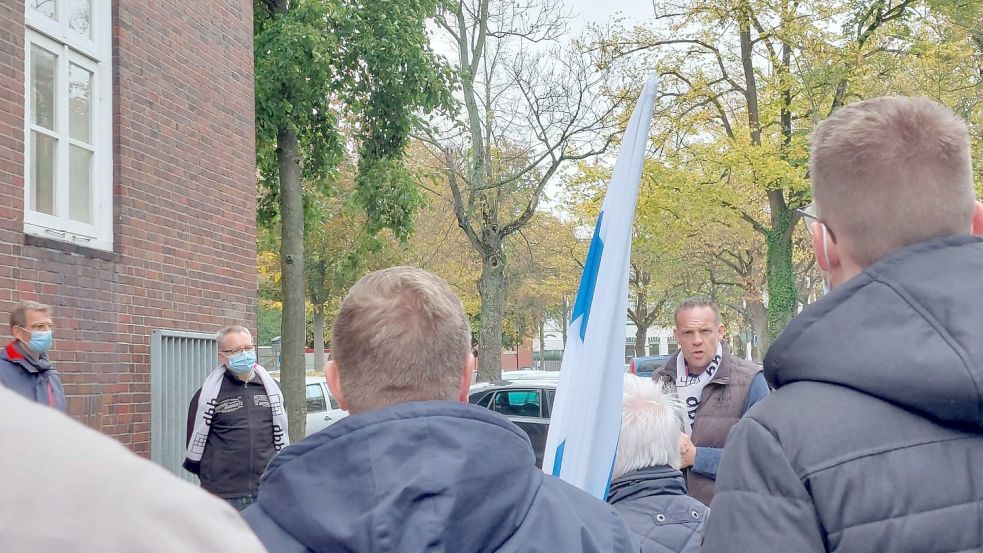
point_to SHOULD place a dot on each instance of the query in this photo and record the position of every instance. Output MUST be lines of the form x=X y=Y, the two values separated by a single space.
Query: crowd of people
x=862 y=432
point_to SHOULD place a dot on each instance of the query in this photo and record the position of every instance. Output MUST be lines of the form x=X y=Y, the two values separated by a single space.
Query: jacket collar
x=722 y=376
x=903 y=331
x=661 y=480
x=15 y=353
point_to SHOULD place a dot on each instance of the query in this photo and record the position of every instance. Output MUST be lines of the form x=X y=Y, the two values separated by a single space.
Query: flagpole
x=586 y=417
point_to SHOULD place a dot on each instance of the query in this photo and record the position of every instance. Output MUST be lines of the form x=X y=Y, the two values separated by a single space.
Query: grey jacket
x=435 y=476
x=873 y=440
x=655 y=506
x=32 y=378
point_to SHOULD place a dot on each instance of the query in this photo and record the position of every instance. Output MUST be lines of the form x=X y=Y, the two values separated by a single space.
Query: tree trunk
x=759 y=325
x=319 y=336
x=751 y=85
x=565 y=323
x=293 y=282
x=782 y=298
x=492 y=290
x=542 y=342
x=641 y=337
x=641 y=316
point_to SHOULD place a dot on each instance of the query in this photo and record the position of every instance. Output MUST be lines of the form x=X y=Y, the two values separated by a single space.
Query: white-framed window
x=68 y=169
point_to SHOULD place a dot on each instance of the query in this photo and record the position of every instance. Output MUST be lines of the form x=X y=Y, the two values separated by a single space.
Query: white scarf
x=690 y=388
x=208 y=399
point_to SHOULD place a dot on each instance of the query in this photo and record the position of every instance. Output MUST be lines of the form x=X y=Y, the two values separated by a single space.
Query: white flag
x=586 y=418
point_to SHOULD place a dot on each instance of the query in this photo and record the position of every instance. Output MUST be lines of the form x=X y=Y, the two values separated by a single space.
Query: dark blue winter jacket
x=426 y=477
x=656 y=508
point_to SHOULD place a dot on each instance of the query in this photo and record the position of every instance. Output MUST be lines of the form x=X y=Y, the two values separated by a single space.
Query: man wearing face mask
x=873 y=439
x=236 y=422
x=24 y=365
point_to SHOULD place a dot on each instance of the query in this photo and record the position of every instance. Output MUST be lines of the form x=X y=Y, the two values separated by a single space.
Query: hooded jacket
x=657 y=510
x=433 y=476
x=874 y=439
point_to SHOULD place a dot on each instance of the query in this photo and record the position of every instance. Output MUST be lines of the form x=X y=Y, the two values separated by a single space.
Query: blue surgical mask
x=242 y=363
x=40 y=341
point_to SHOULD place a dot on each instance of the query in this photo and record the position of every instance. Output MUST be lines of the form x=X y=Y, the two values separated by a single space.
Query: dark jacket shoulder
x=441 y=475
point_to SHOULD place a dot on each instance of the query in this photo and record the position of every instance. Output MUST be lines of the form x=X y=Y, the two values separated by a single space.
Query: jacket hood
x=647 y=482
x=908 y=330
x=402 y=478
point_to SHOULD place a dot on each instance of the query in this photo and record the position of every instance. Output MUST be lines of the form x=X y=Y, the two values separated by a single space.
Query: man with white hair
x=873 y=439
x=415 y=467
x=236 y=422
x=648 y=488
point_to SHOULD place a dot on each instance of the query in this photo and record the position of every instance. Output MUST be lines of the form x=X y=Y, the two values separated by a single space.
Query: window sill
x=68 y=247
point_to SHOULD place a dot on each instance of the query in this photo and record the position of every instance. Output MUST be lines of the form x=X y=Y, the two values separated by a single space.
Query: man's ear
x=466 y=377
x=334 y=383
x=977 y=227
x=827 y=251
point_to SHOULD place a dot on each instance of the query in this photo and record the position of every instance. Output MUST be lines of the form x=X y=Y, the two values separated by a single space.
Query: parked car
x=645 y=367
x=322 y=408
x=526 y=402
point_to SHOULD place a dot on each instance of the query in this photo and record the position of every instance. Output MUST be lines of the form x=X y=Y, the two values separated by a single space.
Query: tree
x=528 y=110
x=316 y=60
x=547 y=263
x=744 y=81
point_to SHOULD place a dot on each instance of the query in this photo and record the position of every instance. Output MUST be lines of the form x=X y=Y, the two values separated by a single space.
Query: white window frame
x=94 y=55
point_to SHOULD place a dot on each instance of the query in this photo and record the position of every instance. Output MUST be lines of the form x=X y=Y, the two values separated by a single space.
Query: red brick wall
x=184 y=204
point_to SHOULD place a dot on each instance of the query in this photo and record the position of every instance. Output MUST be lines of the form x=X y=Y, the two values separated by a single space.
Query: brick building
x=127 y=185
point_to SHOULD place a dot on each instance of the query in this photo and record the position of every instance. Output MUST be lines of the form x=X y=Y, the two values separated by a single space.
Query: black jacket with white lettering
x=240 y=441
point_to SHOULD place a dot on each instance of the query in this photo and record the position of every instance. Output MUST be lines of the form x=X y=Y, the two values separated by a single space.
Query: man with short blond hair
x=415 y=467
x=881 y=188
x=872 y=439
x=236 y=421
x=24 y=365
x=399 y=318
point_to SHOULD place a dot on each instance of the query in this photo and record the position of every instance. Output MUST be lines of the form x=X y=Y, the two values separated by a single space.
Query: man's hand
x=687 y=450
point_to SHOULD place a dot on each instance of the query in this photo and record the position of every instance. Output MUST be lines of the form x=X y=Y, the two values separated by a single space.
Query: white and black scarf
x=689 y=388
x=208 y=399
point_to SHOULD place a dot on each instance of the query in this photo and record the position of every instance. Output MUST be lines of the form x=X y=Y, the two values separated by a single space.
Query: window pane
x=79 y=103
x=43 y=150
x=44 y=7
x=80 y=17
x=43 y=64
x=315 y=399
x=80 y=185
x=654 y=346
x=519 y=403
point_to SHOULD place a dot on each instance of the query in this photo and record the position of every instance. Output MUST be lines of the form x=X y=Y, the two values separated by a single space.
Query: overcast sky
x=599 y=11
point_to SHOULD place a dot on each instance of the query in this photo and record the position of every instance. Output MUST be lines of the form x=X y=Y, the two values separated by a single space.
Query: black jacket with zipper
x=240 y=441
